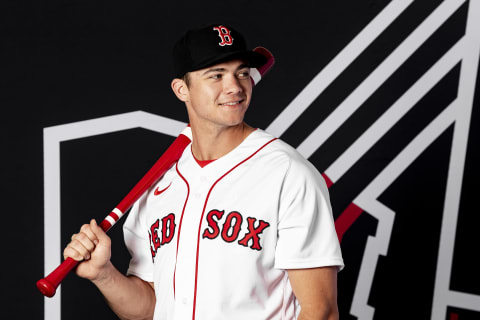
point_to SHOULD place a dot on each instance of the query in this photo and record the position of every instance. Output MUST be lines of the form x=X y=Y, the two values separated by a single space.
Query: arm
x=316 y=291
x=129 y=297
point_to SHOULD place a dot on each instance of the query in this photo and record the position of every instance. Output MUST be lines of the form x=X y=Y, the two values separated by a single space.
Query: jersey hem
x=295 y=264
x=144 y=277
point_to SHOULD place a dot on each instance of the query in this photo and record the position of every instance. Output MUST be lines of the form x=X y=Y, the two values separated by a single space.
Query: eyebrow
x=242 y=66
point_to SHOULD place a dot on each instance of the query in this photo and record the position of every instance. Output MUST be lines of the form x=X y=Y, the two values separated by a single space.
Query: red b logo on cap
x=224 y=35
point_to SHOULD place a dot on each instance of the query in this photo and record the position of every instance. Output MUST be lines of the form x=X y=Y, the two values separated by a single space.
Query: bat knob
x=46 y=287
x=49 y=284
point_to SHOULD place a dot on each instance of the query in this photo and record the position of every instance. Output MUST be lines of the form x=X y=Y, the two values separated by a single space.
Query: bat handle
x=49 y=284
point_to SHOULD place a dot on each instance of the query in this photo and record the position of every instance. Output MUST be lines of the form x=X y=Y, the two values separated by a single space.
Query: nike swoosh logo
x=158 y=192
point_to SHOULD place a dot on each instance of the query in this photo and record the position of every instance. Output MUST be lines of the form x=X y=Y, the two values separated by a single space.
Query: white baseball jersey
x=216 y=241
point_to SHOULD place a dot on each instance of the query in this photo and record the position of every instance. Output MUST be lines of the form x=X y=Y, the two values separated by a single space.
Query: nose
x=232 y=85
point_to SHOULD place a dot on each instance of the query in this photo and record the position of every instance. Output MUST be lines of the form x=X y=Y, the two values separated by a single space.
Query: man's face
x=219 y=95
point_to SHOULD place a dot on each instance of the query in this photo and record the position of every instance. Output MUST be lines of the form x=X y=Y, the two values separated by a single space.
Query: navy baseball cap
x=206 y=46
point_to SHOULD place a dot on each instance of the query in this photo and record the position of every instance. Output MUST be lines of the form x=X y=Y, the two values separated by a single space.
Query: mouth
x=232 y=103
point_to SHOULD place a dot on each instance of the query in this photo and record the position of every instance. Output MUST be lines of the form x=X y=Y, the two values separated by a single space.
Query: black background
x=67 y=61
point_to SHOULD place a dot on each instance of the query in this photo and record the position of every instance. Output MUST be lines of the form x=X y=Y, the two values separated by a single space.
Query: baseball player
x=239 y=228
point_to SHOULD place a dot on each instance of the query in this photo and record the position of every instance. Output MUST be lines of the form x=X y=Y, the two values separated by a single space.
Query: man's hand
x=316 y=291
x=92 y=247
x=129 y=297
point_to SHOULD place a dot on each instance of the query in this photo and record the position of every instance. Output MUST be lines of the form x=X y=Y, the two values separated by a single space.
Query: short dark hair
x=186 y=79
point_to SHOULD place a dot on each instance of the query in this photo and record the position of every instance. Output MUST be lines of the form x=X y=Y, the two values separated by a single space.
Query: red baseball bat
x=48 y=285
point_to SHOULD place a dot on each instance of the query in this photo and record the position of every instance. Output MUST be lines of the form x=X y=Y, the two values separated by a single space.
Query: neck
x=214 y=142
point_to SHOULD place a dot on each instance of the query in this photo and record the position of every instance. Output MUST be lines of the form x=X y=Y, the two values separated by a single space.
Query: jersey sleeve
x=306 y=231
x=137 y=242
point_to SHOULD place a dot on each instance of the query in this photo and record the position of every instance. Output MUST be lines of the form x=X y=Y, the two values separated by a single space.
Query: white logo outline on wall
x=367 y=200
x=52 y=138
x=458 y=113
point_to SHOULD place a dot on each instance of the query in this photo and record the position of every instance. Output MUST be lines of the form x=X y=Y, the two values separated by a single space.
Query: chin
x=232 y=122
x=233 y=119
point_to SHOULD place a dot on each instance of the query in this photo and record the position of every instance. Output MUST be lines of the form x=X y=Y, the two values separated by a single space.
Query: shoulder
x=270 y=145
x=282 y=151
x=283 y=158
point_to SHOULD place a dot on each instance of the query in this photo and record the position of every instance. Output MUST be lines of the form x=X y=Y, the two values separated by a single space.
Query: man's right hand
x=92 y=247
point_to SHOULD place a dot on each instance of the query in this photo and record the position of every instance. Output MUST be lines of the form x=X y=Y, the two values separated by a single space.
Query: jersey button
x=184 y=300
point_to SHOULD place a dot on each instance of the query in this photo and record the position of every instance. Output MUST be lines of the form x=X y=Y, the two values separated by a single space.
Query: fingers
x=92 y=248
x=83 y=243
x=101 y=236
x=87 y=230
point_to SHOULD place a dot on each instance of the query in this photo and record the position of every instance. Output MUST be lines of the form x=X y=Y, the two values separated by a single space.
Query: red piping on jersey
x=180 y=225
x=203 y=212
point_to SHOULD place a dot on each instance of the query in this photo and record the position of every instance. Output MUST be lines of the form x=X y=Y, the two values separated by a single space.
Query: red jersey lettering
x=212 y=223
x=235 y=228
x=168 y=228
x=253 y=233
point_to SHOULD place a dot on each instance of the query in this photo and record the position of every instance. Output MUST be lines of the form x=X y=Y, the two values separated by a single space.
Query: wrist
x=105 y=276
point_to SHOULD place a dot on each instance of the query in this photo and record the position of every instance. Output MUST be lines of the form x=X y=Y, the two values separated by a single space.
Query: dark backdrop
x=67 y=61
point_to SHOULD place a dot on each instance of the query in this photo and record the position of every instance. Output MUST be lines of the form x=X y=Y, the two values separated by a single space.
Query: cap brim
x=254 y=59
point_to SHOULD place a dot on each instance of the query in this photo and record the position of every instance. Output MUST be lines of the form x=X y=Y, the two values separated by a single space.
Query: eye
x=244 y=74
x=216 y=76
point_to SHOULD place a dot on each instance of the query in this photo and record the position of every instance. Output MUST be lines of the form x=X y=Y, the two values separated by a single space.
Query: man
x=240 y=228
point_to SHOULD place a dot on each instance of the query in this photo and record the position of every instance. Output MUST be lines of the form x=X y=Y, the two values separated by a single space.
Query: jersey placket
x=202 y=182
x=186 y=263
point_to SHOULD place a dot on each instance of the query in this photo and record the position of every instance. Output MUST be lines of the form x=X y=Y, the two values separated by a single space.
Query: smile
x=233 y=103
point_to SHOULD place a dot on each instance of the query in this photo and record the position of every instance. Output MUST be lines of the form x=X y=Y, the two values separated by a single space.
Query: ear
x=180 y=89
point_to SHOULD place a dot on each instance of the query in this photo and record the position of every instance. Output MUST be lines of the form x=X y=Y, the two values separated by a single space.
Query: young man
x=240 y=228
